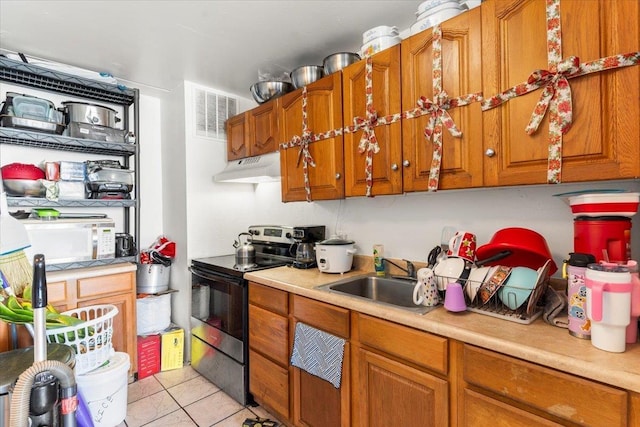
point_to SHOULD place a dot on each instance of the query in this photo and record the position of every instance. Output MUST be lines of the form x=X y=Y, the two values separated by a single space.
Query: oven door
x=219 y=311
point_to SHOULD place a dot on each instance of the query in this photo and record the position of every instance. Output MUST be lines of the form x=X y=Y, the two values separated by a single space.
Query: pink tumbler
x=579 y=325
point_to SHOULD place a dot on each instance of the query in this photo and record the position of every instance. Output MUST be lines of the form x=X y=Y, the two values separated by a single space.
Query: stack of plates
x=379 y=38
x=433 y=12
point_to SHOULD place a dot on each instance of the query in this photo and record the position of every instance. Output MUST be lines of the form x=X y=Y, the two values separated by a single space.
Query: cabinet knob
x=406 y=163
x=490 y=152
x=338 y=176
x=394 y=167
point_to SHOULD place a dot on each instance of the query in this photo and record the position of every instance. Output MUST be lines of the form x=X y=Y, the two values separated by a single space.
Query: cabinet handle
x=490 y=152
x=338 y=176
x=406 y=163
x=394 y=167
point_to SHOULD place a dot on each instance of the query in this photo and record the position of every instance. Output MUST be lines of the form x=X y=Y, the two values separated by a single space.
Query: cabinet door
x=462 y=158
x=391 y=393
x=124 y=324
x=236 y=137
x=269 y=384
x=386 y=168
x=262 y=135
x=324 y=113
x=603 y=141
x=317 y=402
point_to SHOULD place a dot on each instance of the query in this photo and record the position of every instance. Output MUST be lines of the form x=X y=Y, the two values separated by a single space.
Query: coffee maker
x=304 y=247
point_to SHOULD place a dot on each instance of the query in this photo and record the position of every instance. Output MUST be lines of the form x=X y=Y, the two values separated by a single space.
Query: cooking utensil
x=493 y=258
x=338 y=61
x=432 y=259
x=306 y=74
x=92 y=114
x=245 y=252
x=335 y=255
x=266 y=90
x=528 y=248
x=24 y=187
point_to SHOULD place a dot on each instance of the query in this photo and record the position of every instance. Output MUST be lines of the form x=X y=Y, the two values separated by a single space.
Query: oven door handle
x=206 y=276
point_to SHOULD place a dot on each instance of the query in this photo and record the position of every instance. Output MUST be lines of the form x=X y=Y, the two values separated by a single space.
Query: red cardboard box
x=148 y=355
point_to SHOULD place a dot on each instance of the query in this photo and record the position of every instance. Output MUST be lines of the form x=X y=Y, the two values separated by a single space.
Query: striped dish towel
x=318 y=352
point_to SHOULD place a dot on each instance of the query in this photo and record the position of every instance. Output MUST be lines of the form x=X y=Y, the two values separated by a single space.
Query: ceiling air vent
x=212 y=109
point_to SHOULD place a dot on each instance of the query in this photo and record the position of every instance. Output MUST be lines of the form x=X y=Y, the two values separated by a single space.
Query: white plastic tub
x=105 y=391
x=605 y=204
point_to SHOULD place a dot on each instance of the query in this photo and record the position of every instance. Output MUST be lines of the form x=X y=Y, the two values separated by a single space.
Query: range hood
x=264 y=168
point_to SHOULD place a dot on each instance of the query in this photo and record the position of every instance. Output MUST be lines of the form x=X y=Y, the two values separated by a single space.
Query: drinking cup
x=454 y=297
x=463 y=245
x=608 y=305
x=425 y=291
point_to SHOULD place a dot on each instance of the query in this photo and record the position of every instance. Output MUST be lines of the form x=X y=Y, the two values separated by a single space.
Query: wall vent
x=212 y=109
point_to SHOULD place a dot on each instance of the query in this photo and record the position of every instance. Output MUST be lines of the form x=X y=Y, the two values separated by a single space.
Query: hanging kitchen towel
x=318 y=352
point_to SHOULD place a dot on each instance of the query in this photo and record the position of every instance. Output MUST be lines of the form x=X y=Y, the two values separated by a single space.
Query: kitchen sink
x=391 y=291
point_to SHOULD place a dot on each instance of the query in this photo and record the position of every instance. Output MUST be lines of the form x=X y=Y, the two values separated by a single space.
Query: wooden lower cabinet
x=67 y=290
x=308 y=390
x=527 y=391
x=269 y=349
x=393 y=393
x=395 y=375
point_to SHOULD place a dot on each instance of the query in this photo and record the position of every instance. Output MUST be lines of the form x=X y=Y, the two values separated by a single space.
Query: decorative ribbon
x=556 y=95
x=303 y=142
x=438 y=110
x=368 y=141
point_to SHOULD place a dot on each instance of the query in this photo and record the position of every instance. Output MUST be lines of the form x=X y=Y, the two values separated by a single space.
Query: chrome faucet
x=410 y=270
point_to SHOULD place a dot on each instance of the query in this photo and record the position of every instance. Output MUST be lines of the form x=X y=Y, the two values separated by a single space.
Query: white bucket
x=105 y=391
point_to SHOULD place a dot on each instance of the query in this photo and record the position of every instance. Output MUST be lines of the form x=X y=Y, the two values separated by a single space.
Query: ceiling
x=222 y=44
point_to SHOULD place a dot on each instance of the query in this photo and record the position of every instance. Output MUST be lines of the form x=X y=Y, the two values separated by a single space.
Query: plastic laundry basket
x=91 y=340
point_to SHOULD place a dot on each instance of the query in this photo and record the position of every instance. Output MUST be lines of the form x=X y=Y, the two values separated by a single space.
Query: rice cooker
x=335 y=255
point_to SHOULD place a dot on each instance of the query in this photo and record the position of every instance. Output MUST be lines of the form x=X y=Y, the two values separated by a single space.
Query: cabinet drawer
x=272 y=299
x=329 y=318
x=269 y=384
x=57 y=292
x=110 y=284
x=268 y=334
x=565 y=396
x=416 y=346
x=483 y=411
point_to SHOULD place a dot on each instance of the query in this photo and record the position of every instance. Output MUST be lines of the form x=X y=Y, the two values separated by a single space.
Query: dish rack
x=526 y=313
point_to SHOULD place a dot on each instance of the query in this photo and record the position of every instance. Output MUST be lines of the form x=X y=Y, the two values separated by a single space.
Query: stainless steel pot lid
x=335 y=241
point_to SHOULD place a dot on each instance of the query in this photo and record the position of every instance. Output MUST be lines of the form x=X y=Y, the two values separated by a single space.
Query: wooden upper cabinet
x=253 y=132
x=236 y=137
x=262 y=128
x=462 y=158
x=603 y=141
x=386 y=169
x=324 y=113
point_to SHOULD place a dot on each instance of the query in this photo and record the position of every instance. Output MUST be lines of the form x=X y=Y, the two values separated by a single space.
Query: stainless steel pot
x=92 y=114
x=152 y=278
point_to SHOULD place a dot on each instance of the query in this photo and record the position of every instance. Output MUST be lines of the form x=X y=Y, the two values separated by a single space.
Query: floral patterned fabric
x=556 y=93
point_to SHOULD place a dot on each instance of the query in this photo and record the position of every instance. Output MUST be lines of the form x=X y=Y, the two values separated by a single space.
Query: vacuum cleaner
x=45 y=394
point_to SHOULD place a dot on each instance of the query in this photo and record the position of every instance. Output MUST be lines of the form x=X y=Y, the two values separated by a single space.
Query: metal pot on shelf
x=93 y=114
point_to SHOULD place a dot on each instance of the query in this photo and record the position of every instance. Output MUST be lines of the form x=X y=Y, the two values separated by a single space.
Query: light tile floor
x=182 y=397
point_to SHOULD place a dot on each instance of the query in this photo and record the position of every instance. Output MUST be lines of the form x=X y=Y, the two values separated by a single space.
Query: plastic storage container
x=105 y=391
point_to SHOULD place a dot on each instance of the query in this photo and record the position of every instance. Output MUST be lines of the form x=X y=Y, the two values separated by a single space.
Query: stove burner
x=244 y=267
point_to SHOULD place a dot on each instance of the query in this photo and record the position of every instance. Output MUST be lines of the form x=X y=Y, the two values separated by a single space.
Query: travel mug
x=608 y=305
x=579 y=325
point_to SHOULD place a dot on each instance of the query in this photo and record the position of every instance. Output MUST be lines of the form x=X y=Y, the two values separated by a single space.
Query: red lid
x=22 y=171
x=528 y=249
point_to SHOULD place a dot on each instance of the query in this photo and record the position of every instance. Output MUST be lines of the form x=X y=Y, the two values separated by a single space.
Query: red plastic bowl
x=22 y=171
x=528 y=249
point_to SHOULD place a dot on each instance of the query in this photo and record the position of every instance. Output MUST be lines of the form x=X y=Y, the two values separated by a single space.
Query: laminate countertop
x=537 y=342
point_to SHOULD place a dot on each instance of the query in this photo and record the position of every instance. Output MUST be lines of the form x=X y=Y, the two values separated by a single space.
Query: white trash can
x=105 y=391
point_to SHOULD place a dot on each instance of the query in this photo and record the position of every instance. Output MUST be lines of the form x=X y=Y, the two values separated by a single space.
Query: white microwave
x=71 y=240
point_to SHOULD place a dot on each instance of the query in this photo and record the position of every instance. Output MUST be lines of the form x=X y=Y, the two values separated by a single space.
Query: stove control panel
x=272 y=233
